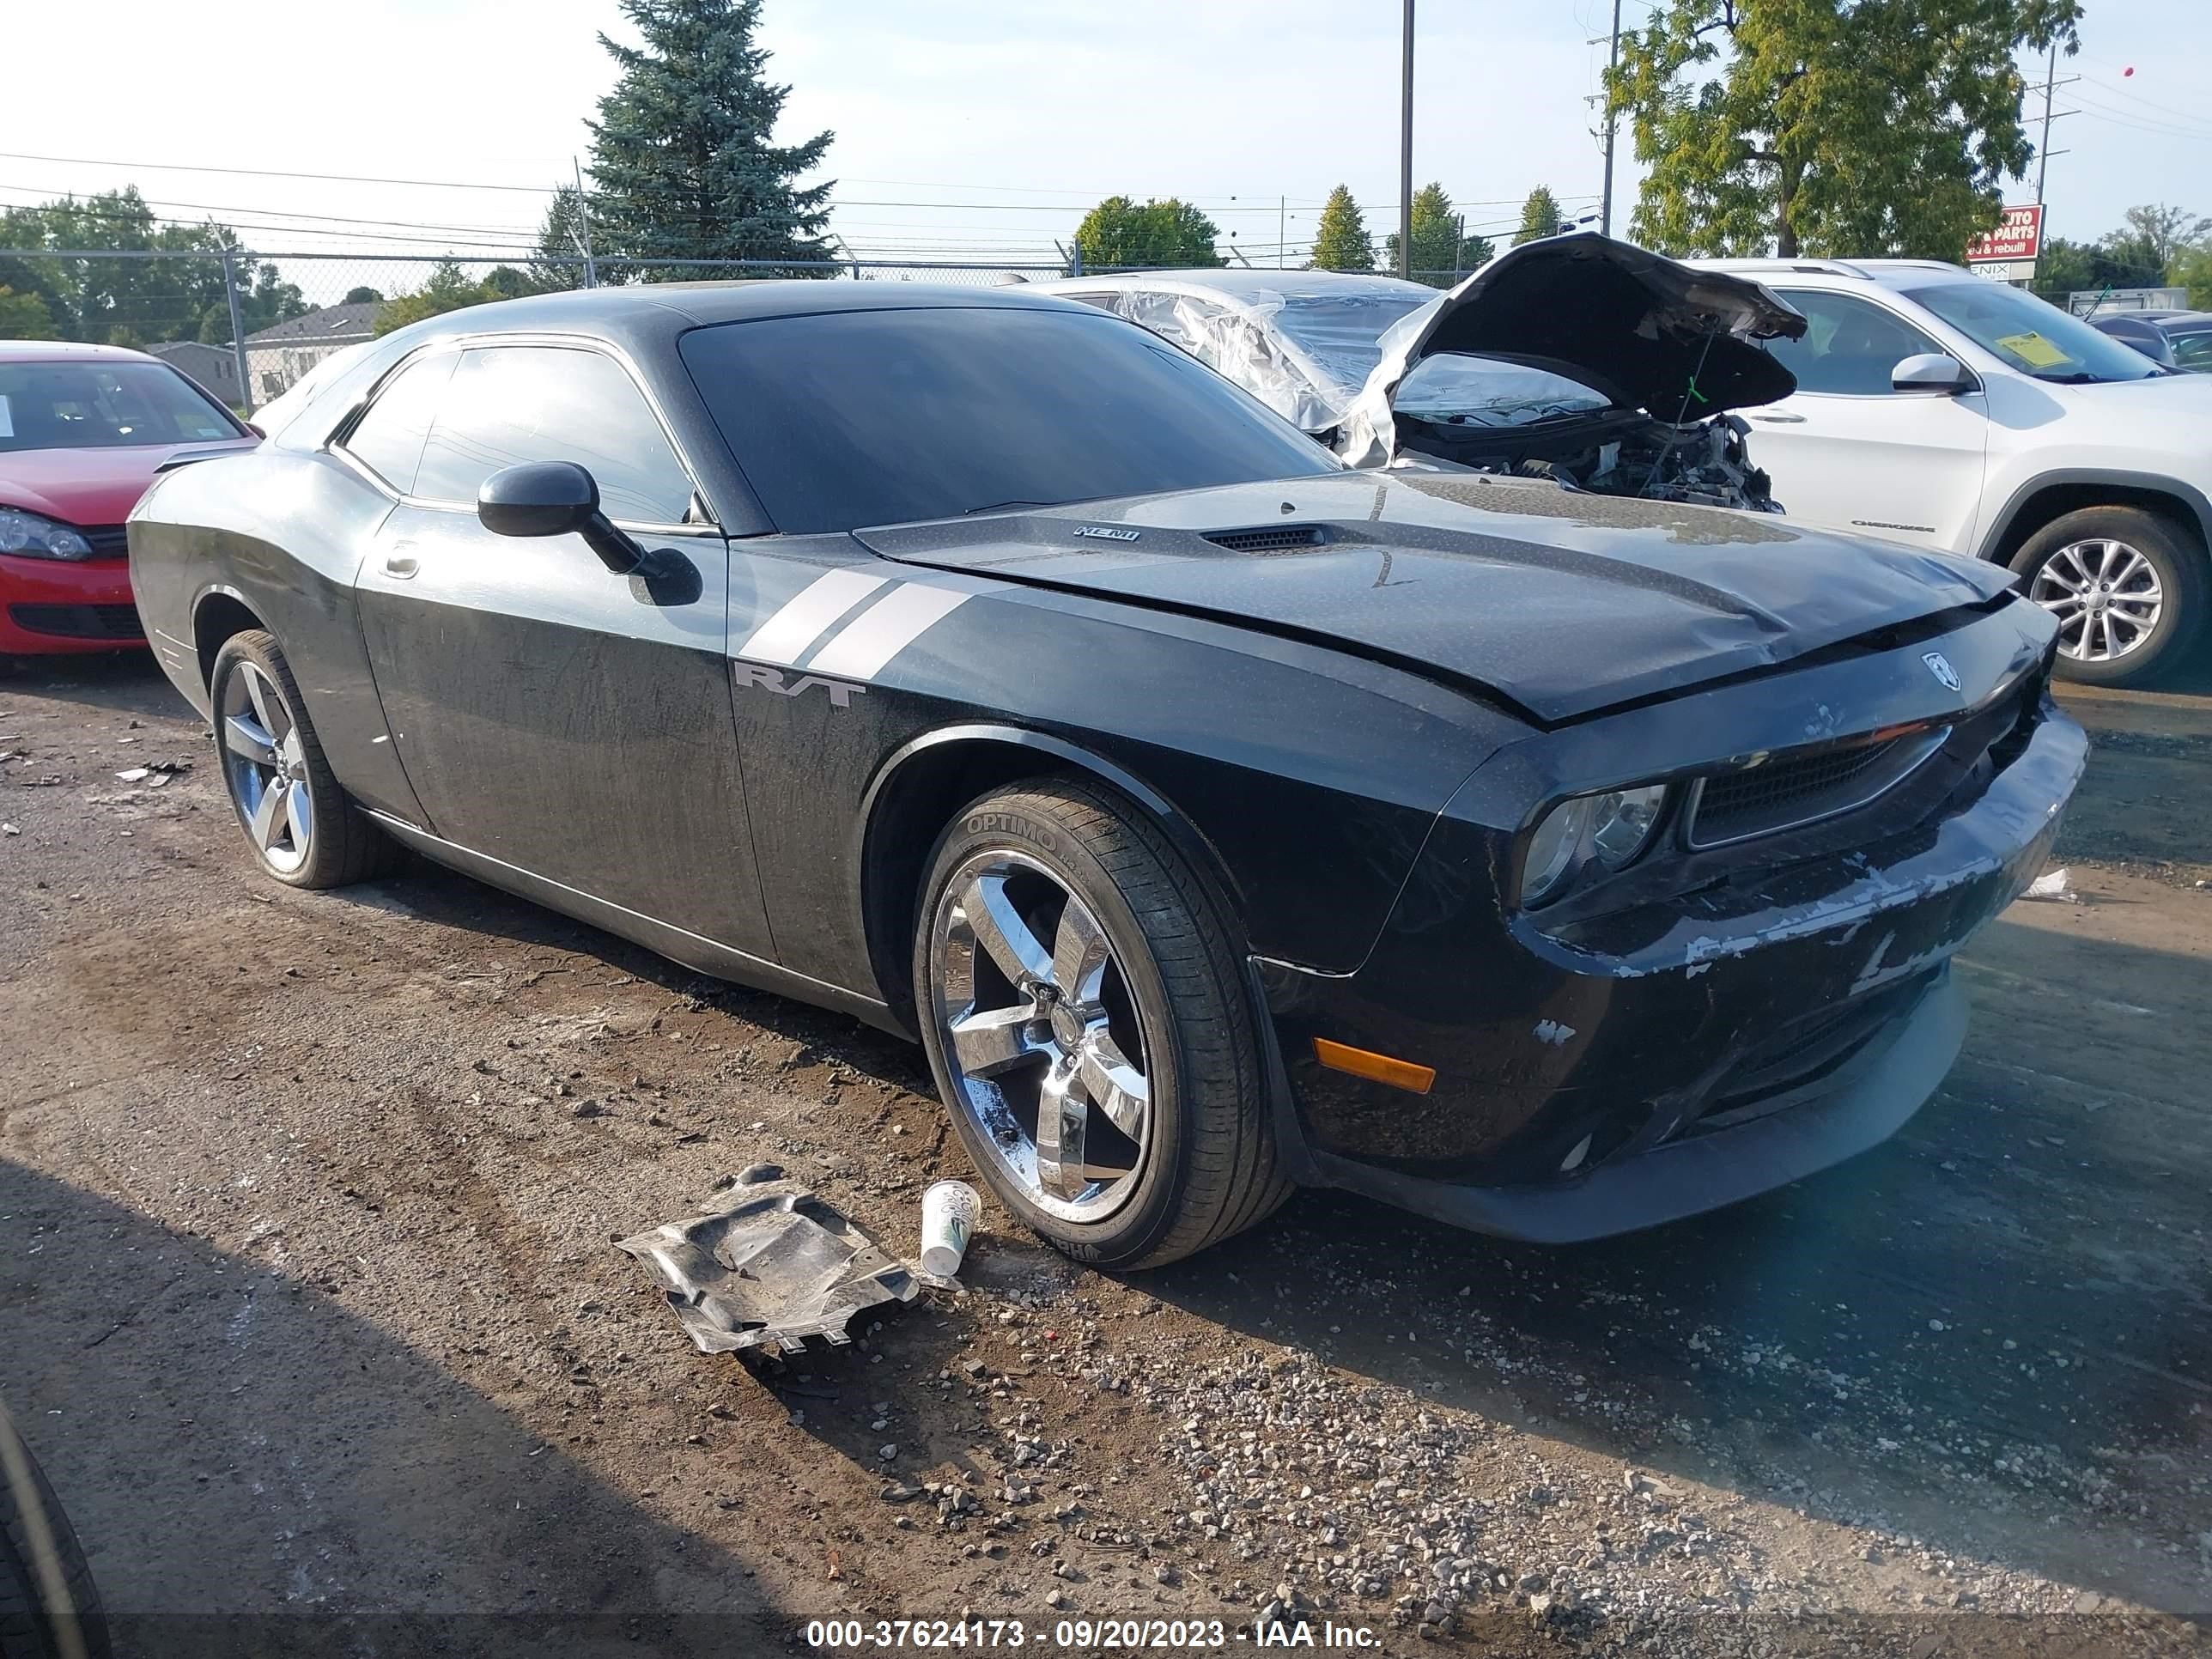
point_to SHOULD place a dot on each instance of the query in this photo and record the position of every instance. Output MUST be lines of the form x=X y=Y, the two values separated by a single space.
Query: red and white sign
x=2017 y=237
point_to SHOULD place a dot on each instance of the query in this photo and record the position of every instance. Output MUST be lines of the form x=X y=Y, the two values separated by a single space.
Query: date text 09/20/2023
x=1085 y=1635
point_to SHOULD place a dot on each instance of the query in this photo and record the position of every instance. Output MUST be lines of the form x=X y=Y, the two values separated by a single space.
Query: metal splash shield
x=781 y=1264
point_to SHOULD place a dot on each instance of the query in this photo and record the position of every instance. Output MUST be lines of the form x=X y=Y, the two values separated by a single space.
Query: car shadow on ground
x=168 y=1387
x=1993 y=1332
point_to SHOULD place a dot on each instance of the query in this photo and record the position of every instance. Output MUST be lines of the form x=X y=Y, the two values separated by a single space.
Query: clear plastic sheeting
x=1240 y=344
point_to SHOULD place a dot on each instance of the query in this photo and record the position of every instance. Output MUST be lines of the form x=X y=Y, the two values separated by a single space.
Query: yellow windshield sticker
x=2033 y=349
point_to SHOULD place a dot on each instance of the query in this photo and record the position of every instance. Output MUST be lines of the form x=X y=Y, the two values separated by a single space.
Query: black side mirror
x=555 y=498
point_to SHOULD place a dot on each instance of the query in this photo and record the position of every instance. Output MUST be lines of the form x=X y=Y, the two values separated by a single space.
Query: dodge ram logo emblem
x=1940 y=666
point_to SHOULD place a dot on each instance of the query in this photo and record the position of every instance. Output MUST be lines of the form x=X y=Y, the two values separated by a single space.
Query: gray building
x=215 y=367
x=277 y=357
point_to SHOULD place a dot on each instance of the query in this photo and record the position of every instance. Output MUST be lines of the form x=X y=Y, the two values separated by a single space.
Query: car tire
x=48 y=1607
x=2157 y=556
x=275 y=772
x=1134 y=1021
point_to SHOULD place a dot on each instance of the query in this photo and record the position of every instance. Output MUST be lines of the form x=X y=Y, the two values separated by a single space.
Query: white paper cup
x=949 y=1211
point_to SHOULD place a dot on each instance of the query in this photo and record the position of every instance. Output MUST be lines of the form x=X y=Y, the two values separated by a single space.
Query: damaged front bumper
x=1672 y=1055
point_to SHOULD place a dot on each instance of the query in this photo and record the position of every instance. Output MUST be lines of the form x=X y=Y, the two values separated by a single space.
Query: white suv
x=1935 y=408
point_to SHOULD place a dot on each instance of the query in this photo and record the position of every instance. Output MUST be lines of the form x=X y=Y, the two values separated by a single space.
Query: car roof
x=705 y=304
x=65 y=351
x=1247 y=285
x=1887 y=273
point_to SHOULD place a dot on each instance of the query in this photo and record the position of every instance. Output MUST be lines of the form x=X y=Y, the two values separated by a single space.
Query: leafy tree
x=1540 y=216
x=364 y=296
x=2192 y=269
x=24 y=316
x=681 y=160
x=155 y=300
x=1340 y=240
x=1118 y=232
x=1440 y=252
x=2155 y=237
x=451 y=288
x=1828 y=127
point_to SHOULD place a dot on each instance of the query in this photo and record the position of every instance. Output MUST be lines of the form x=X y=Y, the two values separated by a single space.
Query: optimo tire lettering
x=981 y=823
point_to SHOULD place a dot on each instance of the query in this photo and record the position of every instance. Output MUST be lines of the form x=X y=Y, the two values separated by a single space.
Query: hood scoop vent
x=1273 y=538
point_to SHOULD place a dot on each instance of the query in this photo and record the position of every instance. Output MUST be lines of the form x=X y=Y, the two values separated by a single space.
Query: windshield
x=2032 y=335
x=870 y=417
x=1342 y=332
x=104 y=405
x=1453 y=387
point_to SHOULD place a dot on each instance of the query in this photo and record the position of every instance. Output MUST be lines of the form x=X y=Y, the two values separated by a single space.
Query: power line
x=54 y=193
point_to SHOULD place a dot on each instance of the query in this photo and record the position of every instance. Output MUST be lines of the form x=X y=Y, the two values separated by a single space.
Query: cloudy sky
x=965 y=128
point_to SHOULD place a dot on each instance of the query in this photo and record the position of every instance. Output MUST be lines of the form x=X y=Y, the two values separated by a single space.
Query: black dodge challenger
x=1221 y=819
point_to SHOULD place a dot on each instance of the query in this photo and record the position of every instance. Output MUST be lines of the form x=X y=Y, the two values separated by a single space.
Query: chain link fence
x=247 y=326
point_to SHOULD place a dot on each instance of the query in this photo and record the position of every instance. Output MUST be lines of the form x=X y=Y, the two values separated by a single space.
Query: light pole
x=1612 y=63
x=1406 y=154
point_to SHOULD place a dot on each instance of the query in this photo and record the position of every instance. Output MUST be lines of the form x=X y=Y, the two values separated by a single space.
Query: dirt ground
x=310 y=1308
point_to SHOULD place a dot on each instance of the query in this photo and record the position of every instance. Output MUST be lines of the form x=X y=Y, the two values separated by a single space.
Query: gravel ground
x=311 y=1309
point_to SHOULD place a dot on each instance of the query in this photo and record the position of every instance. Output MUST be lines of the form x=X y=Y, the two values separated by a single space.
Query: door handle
x=402 y=565
x=1779 y=420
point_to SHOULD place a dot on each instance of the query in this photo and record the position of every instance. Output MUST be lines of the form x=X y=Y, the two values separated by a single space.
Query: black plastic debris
x=780 y=1266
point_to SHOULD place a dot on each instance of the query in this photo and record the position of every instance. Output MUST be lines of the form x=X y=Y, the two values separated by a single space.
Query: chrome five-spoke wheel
x=2105 y=595
x=1042 y=1034
x=266 y=766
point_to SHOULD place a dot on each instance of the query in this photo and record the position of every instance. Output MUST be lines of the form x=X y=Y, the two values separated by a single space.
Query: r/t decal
x=771 y=679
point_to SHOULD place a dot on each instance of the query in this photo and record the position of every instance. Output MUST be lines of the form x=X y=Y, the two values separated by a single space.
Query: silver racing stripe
x=785 y=636
x=886 y=628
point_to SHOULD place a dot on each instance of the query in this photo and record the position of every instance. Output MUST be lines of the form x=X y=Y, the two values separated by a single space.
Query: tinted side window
x=512 y=403
x=1849 y=345
x=388 y=438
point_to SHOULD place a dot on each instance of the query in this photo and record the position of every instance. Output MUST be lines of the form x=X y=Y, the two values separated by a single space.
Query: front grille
x=79 y=622
x=1793 y=790
x=109 y=541
x=1275 y=538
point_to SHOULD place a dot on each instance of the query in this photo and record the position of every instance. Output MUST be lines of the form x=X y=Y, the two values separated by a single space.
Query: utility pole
x=2043 y=149
x=2051 y=85
x=1406 y=154
x=584 y=225
x=1282 y=232
x=1613 y=62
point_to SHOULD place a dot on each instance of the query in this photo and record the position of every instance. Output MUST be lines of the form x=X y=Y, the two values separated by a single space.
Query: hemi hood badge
x=1106 y=532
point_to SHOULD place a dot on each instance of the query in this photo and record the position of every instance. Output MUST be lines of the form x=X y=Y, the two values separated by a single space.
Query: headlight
x=28 y=535
x=1621 y=822
x=1612 y=828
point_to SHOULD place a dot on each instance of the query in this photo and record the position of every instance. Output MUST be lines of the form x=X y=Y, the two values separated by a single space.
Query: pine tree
x=1540 y=216
x=1437 y=250
x=1341 y=241
x=681 y=156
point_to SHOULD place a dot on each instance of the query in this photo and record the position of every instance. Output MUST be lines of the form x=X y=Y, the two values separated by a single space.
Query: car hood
x=1672 y=340
x=1560 y=603
x=90 y=487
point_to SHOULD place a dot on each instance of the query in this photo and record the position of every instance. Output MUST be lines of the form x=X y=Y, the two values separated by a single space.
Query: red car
x=82 y=429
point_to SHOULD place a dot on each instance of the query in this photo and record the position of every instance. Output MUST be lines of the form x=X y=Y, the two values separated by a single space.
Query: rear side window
x=1849 y=346
x=507 y=404
x=873 y=417
x=388 y=438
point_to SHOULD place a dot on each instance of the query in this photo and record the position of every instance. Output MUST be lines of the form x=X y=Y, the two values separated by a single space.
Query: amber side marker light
x=1398 y=1074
